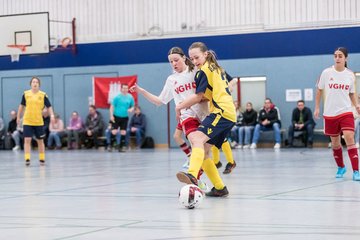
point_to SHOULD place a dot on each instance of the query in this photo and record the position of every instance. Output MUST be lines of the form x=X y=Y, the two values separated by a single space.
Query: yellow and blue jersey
x=213 y=83
x=34 y=103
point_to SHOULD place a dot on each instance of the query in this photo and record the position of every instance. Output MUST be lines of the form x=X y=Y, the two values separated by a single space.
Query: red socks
x=186 y=149
x=354 y=158
x=337 y=153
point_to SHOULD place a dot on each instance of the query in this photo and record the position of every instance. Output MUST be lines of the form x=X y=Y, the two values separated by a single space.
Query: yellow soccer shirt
x=214 y=85
x=34 y=104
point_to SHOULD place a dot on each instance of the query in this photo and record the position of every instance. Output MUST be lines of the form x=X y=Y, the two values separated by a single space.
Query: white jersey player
x=338 y=84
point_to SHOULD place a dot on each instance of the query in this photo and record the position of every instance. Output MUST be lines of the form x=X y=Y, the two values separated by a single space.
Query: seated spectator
x=233 y=139
x=2 y=130
x=56 y=129
x=302 y=120
x=268 y=120
x=248 y=124
x=137 y=127
x=74 y=131
x=94 y=126
x=111 y=132
x=13 y=131
x=46 y=117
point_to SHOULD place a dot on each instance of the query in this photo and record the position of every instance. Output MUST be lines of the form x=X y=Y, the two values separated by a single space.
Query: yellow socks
x=27 y=156
x=215 y=154
x=42 y=156
x=196 y=160
x=213 y=174
x=226 y=148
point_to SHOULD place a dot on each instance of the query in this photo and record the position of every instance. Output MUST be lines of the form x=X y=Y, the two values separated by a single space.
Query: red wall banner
x=106 y=88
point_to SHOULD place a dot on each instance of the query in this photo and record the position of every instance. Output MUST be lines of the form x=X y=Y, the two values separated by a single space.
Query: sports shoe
x=218 y=193
x=239 y=146
x=246 y=146
x=277 y=146
x=218 y=165
x=122 y=149
x=356 y=176
x=186 y=178
x=253 y=146
x=16 y=148
x=229 y=167
x=109 y=148
x=357 y=145
x=27 y=162
x=42 y=162
x=186 y=164
x=340 y=172
x=202 y=185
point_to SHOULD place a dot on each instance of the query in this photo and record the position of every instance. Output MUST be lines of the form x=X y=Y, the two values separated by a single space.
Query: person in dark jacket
x=137 y=126
x=94 y=127
x=302 y=120
x=249 y=121
x=12 y=130
x=268 y=120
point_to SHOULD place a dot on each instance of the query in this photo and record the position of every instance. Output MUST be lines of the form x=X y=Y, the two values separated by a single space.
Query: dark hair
x=177 y=50
x=301 y=101
x=211 y=57
x=36 y=79
x=124 y=84
x=344 y=51
x=269 y=99
x=92 y=106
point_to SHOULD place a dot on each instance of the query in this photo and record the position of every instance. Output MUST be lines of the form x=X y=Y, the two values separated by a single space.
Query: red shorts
x=189 y=125
x=333 y=126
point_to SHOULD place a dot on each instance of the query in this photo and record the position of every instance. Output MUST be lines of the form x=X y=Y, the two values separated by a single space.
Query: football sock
x=196 y=160
x=226 y=148
x=212 y=173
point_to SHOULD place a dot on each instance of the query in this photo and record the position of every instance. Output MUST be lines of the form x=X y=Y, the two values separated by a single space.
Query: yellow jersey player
x=33 y=102
x=212 y=85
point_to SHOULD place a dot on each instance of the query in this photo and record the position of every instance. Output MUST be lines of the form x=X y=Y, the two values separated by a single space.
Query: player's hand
x=112 y=119
x=135 y=88
x=316 y=113
x=358 y=108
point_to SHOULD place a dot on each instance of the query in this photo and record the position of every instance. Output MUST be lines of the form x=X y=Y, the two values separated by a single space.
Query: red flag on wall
x=106 y=88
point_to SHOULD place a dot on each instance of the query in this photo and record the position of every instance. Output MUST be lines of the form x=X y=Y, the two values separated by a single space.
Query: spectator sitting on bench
x=110 y=132
x=94 y=126
x=268 y=120
x=302 y=120
x=13 y=131
x=2 y=130
x=74 y=130
x=137 y=126
x=56 y=129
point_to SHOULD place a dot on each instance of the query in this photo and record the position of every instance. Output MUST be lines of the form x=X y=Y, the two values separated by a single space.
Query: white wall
x=114 y=20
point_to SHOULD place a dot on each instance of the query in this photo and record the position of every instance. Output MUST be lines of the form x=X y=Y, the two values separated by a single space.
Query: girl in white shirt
x=338 y=84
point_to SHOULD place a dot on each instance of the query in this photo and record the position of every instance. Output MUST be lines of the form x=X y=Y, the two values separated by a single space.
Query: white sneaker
x=186 y=164
x=233 y=144
x=277 y=145
x=202 y=185
x=253 y=146
x=246 y=146
x=357 y=145
x=329 y=145
x=239 y=146
x=16 y=148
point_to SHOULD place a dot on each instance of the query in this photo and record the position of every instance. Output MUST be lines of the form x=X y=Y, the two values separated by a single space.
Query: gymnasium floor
x=86 y=195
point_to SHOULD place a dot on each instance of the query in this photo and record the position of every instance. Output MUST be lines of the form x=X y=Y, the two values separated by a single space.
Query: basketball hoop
x=15 y=52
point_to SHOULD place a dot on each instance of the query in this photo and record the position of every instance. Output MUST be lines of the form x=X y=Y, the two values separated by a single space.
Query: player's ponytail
x=177 y=50
x=211 y=56
x=344 y=51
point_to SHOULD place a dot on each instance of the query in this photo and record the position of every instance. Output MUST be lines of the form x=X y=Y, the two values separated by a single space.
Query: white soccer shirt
x=337 y=86
x=180 y=86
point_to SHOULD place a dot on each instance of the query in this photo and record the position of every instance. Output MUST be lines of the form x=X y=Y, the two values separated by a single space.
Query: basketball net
x=15 y=52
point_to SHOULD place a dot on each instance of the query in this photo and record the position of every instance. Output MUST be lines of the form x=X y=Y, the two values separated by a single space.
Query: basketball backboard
x=30 y=30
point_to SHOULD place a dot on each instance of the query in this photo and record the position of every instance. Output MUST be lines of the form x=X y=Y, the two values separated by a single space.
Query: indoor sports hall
x=83 y=52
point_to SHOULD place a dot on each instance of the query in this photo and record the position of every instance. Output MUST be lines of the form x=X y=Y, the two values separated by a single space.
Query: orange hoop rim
x=21 y=47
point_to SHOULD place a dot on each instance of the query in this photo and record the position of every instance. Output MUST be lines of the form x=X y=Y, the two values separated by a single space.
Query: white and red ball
x=191 y=196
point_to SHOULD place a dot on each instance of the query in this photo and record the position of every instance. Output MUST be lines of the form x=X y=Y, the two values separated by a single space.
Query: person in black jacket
x=137 y=126
x=249 y=118
x=268 y=120
x=94 y=127
x=302 y=120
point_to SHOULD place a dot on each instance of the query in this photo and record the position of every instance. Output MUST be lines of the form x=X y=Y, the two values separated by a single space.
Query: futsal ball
x=191 y=196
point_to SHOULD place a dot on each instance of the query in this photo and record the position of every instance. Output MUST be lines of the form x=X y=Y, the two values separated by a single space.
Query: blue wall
x=288 y=59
